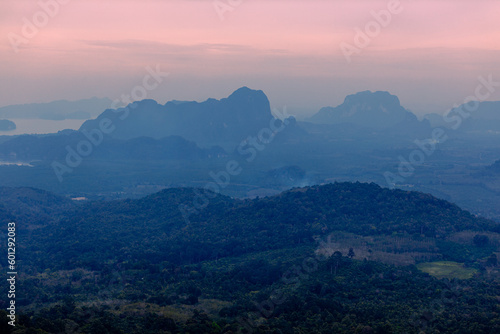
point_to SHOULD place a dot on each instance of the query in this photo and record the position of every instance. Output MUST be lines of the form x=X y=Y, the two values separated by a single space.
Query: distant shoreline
x=39 y=126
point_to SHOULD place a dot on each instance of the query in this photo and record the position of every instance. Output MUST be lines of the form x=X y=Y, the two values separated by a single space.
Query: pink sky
x=430 y=54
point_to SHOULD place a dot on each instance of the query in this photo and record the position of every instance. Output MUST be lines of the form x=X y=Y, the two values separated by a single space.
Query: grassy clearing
x=446 y=269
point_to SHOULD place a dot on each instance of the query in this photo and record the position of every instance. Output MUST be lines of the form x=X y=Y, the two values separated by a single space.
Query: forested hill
x=154 y=228
x=342 y=254
x=31 y=206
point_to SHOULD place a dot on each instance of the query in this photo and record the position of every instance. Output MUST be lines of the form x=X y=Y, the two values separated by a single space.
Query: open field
x=446 y=269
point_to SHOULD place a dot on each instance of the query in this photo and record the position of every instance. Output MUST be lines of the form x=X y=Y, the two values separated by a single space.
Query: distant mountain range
x=244 y=113
x=57 y=110
x=147 y=130
x=378 y=110
x=494 y=169
x=246 y=110
x=183 y=143
x=480 y=117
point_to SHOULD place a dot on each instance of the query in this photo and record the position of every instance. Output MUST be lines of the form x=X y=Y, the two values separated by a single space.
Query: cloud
x=291 y=48
x=143 y=46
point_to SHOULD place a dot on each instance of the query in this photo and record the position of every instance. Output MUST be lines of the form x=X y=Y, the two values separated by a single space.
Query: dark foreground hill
x=30 y=206
x=175 y=230
x=190 y=261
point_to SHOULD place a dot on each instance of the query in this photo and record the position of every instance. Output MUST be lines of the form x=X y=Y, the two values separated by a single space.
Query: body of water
x=42 y=126
x=19 y=163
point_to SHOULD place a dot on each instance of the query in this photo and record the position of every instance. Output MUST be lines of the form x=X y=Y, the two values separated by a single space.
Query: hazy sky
x=430 y=54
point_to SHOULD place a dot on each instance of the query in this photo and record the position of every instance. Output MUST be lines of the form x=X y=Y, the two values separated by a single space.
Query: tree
x=351 y=253
x=337 y=258
x=480 y=240
x=492 y=260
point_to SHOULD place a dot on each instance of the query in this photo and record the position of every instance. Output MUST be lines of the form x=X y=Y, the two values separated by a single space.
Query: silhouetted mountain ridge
x=494 y=168
x=474 y=117
x=244 y=113
x=367 y=109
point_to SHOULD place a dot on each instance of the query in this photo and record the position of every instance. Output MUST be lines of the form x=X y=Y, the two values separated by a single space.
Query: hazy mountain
x=367 y=109
x=6 y=125
x=494 y=169
x=496 y=165
x=488 y=110
x=484 y=118
x=436 y=120
x=473 y=117
x=57 y=110
x=244 y=113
